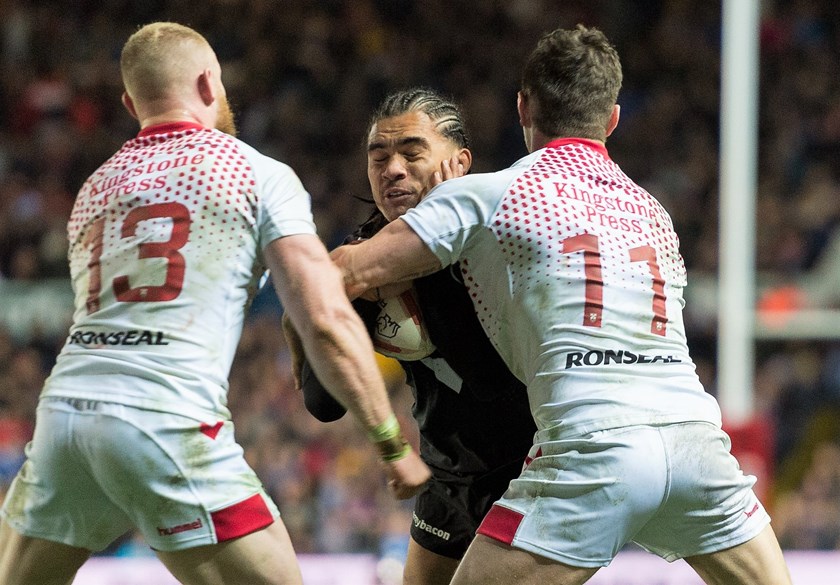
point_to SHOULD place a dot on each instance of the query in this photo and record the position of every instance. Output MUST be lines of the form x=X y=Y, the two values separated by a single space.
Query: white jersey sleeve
x=576 y=277
x=457 y=212
x=166 y=243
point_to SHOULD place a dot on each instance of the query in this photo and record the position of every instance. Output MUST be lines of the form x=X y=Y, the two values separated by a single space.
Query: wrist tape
x=389 y=440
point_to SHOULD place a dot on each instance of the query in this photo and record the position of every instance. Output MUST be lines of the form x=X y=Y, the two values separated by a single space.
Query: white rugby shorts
x=95 y=470
x=675 y=490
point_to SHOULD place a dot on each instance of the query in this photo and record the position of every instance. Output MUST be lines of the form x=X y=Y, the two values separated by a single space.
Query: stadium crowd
x=303 y=77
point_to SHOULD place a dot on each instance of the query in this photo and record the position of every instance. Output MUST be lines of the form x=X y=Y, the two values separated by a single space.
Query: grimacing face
x=403 y=154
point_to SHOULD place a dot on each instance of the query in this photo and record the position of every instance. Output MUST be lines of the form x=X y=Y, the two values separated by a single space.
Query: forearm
x=341 y=356
x=396 y=254
x=337 y=345
x=332 y=335
x=357 y=386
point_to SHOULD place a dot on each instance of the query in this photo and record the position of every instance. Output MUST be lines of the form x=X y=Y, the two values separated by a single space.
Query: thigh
x=489 y=562
x=758 y=560
x=265 y=557
x=424 y=567
x=26 y=560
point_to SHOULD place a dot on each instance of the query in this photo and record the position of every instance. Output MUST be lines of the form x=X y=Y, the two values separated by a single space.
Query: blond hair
x=162 y=59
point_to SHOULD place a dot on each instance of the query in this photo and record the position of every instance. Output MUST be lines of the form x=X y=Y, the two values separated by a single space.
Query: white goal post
x=739 y=325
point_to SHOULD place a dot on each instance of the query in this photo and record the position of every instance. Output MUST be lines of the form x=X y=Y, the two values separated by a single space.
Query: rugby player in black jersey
x=472 y=413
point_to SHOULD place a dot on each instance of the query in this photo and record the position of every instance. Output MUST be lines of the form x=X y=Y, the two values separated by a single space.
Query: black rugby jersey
x=470 y=423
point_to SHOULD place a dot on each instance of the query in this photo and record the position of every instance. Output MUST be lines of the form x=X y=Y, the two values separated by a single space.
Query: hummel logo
x=195 y=525
x=751 y=512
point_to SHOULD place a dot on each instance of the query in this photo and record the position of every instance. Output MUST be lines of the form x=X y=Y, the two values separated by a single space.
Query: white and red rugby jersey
x=576 y=276
x=165 y=242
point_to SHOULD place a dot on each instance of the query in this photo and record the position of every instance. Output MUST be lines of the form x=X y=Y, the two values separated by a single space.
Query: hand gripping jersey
x=576 y=276
x=165 y=240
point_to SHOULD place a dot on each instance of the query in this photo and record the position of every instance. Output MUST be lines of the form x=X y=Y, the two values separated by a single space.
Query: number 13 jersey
x=165 y=247
x=576 y=276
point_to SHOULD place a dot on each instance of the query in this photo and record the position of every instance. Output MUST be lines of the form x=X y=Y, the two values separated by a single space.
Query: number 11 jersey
x=576 y=277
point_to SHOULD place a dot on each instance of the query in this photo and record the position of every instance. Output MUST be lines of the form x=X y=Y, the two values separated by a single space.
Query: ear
x=465 y=158
x=523 y=106
x=616 y=112
x=205 y=87
x=129 y=105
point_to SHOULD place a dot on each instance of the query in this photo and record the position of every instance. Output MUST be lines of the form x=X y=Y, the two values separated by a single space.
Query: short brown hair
x=574 y=76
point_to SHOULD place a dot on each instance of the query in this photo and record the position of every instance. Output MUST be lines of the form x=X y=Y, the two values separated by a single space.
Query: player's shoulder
x=255 y=156
x=267 y=170
x=479 y=184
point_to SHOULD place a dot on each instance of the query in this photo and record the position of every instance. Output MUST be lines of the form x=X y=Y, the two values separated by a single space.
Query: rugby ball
x=399 y=332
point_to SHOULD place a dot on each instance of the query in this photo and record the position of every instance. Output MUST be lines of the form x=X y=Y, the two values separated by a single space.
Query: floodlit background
x=303 y=77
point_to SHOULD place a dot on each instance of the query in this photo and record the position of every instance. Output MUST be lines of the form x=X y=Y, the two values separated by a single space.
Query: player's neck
x=170 y=116
x=540 y=140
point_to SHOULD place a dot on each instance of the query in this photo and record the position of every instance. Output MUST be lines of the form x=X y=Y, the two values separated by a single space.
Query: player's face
x=403 y=154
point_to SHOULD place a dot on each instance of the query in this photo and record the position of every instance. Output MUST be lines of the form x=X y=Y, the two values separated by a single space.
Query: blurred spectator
x=808 y=517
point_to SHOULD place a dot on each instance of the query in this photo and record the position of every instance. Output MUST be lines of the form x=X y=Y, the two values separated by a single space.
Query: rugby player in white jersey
x=132 y=427
x=576 y=276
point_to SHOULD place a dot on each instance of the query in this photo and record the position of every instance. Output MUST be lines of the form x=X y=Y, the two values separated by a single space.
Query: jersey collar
x=593 y=144
x=169 y=127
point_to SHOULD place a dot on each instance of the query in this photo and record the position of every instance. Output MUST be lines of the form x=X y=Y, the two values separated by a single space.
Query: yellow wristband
x=401 y=453
x=385 y=431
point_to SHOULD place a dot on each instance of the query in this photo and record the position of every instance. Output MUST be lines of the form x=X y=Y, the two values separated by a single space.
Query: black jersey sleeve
x=317 y=399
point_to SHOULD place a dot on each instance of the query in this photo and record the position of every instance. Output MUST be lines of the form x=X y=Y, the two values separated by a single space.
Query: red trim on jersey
x=537 y=454
x=240 y=519
x=593 y=144
x=501 y=523
x=169 y=127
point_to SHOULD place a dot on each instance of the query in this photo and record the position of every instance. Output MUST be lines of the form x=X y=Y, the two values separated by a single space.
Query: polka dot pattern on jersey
x=185 y=196
x=574 y=218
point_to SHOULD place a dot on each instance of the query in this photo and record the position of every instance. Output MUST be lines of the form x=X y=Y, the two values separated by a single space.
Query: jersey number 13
x=175 y=263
